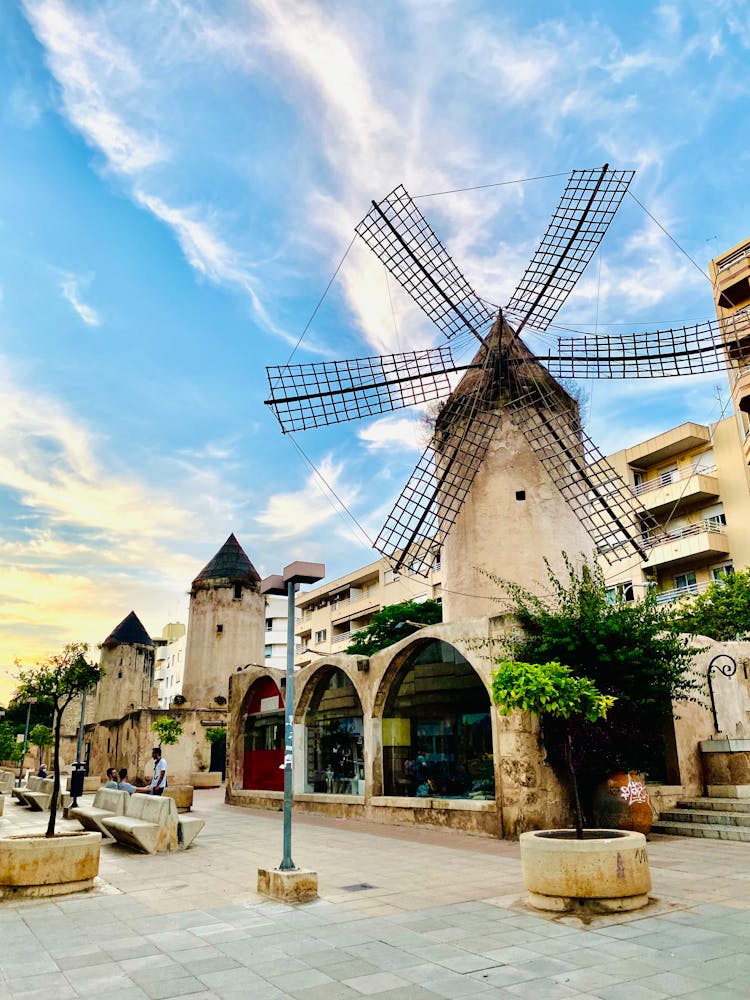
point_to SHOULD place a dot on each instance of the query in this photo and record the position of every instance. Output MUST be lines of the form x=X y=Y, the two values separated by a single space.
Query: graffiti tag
x=634 y=791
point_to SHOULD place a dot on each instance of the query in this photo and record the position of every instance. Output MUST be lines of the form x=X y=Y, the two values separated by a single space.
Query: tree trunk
x=56 y=765
x=574 y=785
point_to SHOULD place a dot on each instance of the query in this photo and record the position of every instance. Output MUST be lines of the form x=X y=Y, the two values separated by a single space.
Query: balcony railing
x=707 y=524
x=677 y=593
x=337 y=640
x=678 y=475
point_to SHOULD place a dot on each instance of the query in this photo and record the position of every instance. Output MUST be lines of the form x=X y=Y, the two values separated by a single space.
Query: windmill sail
x=401 y=237
x=685 y=350
x=430 y=502
x=331 y=392
x=575 y=231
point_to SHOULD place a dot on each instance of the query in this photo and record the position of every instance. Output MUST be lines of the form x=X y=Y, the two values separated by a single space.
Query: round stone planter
x=35 y=865
x=182 y=795
x=605 y=872
x=205 y=779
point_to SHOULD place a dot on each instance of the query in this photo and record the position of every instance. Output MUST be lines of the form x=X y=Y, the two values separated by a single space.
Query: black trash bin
x=76 y=779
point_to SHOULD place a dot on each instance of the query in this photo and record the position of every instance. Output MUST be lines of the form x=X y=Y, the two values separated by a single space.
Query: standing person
x=159 y=780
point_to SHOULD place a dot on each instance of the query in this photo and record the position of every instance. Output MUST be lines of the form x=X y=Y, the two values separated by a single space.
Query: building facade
x=275 y=632
x=330 y=615
x=170 y=662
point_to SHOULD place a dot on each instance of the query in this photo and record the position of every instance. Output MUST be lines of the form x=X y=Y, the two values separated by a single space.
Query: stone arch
x=332 y=713
x=308 y=680
x=436 y=716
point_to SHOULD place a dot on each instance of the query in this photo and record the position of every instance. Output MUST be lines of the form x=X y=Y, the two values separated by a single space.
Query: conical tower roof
x=231 y=564
x=130 y=632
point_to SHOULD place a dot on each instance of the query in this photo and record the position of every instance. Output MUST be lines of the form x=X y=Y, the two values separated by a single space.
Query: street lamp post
x=288 y=583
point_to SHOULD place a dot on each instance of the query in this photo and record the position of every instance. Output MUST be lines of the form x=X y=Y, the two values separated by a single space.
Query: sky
x=179 y=181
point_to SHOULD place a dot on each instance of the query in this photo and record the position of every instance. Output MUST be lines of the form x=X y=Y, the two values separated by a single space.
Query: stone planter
x=206 y=779
x=35 y=865
x=604 y=873
x=182 y=795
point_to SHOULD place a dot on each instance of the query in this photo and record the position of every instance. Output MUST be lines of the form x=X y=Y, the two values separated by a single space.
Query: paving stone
x=175 y=988
x=378 y=983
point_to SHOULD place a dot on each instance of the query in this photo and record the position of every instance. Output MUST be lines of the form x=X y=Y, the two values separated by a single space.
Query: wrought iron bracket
x=726 y=665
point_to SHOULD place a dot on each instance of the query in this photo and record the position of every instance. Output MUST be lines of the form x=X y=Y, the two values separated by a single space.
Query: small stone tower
x=225 y=627
x=127 y=659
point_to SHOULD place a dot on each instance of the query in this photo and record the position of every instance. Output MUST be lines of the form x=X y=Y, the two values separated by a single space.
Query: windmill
x=505 y=383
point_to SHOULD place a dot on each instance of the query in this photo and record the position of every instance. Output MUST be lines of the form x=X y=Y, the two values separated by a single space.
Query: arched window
x=437 y=734
x=335 y=762
x=263 y=751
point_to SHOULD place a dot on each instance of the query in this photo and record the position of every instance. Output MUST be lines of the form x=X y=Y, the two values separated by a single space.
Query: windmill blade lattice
x=401 y=237
x=430 y=502
x=685 y=350
x=594 y=491
x=575 y=231
x=331 y=392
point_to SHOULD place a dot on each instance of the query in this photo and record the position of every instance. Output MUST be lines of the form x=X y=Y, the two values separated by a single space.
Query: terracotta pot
x=622 y=802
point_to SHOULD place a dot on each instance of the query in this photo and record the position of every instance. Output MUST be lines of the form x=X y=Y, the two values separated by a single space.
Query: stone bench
x=40 y=799
x=2 y=804
x=33 y=784
x=7 y=782
x=107 y=802
x=150 y=825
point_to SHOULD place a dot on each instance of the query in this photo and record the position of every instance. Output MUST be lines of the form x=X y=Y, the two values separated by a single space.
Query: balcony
x=353 y=607
x=678 y=593
x=675 y=491
x=667 y=445
x=344 y=637
x=699 y=542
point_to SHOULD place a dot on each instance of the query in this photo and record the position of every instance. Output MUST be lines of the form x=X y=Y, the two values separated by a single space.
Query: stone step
x=703 y=830
x=718 y=805
x=709 y=816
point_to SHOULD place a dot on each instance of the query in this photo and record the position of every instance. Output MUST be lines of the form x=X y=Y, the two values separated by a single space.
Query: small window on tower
x=520 y=494
x=238 y=591
x=219 y=629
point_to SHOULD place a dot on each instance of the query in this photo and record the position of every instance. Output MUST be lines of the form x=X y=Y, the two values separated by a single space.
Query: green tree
x=9 y=748
x=721 y=612
x=217 y=734
x=551 y=690
x=168 y=730
x=391 y=624
x=41 y=737
x=630 y=650
x=56 y=682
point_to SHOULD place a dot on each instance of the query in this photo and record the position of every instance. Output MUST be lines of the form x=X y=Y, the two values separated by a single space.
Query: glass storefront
x=335 y=762
x=437 y=735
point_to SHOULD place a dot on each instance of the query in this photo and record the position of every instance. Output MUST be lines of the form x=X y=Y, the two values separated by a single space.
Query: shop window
x=437 y=734
x=335 y=761
x=263 y=747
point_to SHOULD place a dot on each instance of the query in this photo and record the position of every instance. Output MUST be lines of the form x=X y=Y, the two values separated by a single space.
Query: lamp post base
x=298 y=885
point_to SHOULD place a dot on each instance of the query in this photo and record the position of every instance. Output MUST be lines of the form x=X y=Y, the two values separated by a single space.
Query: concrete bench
x=149 y=824
x=2 y=804
x=33 y=784
x=41 y=799
x=188 y=828
x=107 y=802
x=7 y=782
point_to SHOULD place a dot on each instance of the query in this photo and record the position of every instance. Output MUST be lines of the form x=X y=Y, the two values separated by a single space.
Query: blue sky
x=179 y=181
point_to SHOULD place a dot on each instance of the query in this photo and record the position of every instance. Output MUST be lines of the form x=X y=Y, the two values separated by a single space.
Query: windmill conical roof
x=129 y=632
x=230 y=563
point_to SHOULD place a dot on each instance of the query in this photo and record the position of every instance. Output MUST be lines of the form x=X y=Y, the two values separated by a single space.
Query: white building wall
x=168 y=675
x=275 y=632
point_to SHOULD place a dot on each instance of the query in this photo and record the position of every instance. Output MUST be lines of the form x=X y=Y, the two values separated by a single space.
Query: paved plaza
x=404 y=913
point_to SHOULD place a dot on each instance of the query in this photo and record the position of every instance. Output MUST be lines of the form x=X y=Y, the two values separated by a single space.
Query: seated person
x=42 y=772
x=111 y=781
x=123 y=784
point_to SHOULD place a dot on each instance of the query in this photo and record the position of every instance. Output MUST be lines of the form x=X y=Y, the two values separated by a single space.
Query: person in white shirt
x=159 y=780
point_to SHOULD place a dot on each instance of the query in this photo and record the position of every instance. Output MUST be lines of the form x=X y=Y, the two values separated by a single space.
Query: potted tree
x=598 y=869
x=205 y=777
x=51 y=863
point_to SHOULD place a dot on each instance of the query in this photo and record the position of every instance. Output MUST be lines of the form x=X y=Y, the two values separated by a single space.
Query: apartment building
x=169 y=662
x=330 y=615
x=274 y=650
x=694 y=479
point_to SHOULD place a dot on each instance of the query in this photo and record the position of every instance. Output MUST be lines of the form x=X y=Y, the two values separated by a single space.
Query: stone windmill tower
x=127 y=658
x=225 y=626
x=509 y=475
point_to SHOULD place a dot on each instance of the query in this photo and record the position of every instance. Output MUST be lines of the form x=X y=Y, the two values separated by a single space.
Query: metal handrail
x=674 y=477
x=677 y=593
x=739 y=254
x=692 y=529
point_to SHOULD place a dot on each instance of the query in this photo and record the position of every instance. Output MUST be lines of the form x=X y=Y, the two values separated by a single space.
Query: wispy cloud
x=287 y=515
x=70 y=287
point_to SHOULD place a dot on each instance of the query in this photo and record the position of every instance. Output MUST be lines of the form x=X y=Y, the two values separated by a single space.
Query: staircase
x=720 y=819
